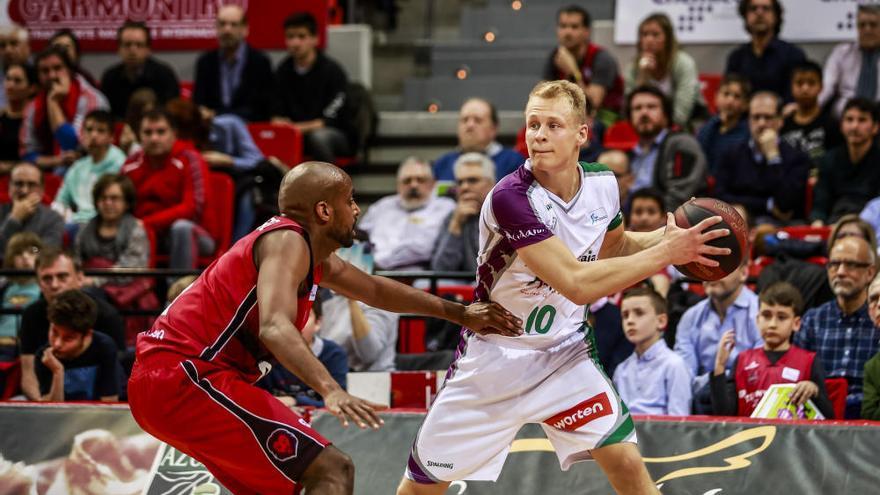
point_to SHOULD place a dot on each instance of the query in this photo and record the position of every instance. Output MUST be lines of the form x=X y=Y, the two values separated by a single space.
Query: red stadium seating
x=837 y=388
x=709 y=84
x=284 y=142
x=217 y=220
x=621 y=136
x=186 y=89
x=51 y=184
x=464 y=292
x=411 y=335
x=10 y=372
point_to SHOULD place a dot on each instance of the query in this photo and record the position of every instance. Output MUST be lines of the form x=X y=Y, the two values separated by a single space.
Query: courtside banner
x=174 y=24
x=718 y=21
x=64 y=449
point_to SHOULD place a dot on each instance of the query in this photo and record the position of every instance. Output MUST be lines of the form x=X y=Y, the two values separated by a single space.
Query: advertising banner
x=174 y=24
x=718 y=21
x=83 y=450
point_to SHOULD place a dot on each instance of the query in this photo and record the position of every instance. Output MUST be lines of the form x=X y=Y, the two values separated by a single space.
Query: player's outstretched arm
x=584 y=283
x=620 y=242
x=387 y=294
x=283 y=263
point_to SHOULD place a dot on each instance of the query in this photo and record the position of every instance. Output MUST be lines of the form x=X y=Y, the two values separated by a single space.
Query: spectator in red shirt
x=170 y=196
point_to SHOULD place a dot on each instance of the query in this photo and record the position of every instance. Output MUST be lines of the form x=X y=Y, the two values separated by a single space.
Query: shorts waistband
x=159 y=360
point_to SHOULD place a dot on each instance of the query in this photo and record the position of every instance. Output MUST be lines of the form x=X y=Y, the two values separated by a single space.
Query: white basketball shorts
x=491 y=391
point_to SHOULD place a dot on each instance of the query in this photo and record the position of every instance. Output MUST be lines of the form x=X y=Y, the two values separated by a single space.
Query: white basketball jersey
x=519 y=212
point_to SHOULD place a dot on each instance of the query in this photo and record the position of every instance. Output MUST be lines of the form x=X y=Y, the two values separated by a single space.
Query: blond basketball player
x=551 y=242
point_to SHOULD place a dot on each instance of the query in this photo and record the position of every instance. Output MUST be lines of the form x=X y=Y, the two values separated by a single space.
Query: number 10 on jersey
x=541 y=319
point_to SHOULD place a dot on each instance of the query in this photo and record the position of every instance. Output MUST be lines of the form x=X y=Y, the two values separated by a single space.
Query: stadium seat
x=284 y=142
x=837 y=388
x=217 y=220
x=709 y=84
x=411 y=335
x=219 y=214
x=520 y=145
x=10 y=378
x=621 y=136
x=463 y=292
x=808 y=195
x=186 y=89
x=413 y=389
x=51 y=184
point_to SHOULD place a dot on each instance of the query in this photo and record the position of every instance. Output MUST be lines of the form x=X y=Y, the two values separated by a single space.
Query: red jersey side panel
x=216 y=318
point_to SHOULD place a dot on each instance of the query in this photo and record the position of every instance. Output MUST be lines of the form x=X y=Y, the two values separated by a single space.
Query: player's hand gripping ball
x=694 y=211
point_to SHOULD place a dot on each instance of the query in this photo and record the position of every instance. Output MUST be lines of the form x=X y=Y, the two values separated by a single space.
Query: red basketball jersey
x=216 y=319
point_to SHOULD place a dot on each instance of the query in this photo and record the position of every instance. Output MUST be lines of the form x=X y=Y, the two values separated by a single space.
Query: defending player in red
x=192 y=382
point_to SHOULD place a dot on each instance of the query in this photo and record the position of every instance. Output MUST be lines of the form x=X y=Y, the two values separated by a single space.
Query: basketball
x=692 y=213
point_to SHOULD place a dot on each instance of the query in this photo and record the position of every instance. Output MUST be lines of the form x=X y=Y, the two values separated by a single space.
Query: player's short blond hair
x=569 y=91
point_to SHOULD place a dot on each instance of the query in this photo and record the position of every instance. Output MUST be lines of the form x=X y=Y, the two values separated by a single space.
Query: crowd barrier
x=99 y=449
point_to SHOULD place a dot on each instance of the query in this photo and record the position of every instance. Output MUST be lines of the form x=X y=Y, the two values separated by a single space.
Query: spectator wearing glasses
x=26 y=212
x=766 y=61
x=404 y=227
x=137 y=69
x=459 y=241
x=477 y=130
x=840 y=331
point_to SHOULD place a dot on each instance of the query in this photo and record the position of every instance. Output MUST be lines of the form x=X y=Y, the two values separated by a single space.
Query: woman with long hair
x=660 y=62
x=20 y=87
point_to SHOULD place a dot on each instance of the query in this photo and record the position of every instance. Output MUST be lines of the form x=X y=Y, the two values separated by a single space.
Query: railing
x=406 y=276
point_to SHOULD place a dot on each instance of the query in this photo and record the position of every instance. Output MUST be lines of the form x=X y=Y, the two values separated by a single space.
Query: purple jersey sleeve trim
x=517 y=220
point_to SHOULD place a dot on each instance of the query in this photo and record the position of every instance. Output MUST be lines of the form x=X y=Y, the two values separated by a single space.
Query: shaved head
x=318 y=196
x=308 y=184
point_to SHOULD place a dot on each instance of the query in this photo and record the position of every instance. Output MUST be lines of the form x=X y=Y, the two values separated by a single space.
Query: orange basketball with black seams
x=692 y=213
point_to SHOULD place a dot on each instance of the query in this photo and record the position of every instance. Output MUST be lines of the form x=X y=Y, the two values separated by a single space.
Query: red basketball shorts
x=250 y=441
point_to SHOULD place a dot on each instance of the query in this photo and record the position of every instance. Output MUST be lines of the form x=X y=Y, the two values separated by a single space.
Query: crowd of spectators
x=117 y=173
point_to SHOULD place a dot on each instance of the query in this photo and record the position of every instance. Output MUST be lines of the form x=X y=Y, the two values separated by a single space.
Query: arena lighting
x=433 y=107
x=462 y=72
x=489 y=36
x=516 y=5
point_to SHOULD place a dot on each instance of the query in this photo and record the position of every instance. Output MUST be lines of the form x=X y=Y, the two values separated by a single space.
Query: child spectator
x=810 y=127
x=74 y=198
x=779 y=361
x=647 y=212
x=77 y=363
x=653 y=379
x=20 y=291
x=288 y=387
x=728 y=127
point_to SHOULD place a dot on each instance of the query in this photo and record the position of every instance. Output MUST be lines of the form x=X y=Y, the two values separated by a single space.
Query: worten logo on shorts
x=581 y=414
x=282 y=444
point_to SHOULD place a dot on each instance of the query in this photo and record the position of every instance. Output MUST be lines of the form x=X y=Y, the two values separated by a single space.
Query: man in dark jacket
x=235 y=78
x=137 y=69
x=310 y=93
x=764 y=174
x=672 y=162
